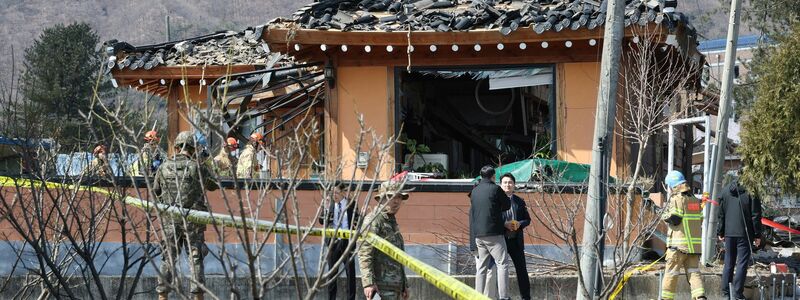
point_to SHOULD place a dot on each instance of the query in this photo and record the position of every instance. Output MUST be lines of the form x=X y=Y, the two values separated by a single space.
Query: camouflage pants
x=175 y=239
x=390 y=294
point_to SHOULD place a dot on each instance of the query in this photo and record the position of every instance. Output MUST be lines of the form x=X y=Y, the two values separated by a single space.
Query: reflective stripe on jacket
x=685 y=236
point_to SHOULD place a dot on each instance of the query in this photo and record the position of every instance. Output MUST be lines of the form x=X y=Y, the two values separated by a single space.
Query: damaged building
x=477 y=82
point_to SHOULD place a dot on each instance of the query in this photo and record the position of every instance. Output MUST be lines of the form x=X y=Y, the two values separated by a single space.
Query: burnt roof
x=221 y=48
x=248 y=48
x=454 y=15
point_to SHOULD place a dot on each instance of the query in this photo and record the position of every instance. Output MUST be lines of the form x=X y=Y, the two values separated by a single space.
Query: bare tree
x=657 y=78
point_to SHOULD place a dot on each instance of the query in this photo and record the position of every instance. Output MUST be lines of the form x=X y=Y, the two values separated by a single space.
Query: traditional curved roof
x=453 y=15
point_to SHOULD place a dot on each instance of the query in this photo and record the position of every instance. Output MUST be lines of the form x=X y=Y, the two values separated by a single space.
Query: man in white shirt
x=341 y=214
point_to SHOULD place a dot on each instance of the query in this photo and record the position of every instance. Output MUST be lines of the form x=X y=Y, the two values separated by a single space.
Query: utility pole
x=718 y=152
x=593 y=231
x=166 y=22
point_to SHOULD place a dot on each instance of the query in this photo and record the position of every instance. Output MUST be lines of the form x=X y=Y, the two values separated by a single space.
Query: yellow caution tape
x=628 y=275
x=449 y=285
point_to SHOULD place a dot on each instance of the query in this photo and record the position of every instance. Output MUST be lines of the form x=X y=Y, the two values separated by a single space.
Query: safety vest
x=687 y=235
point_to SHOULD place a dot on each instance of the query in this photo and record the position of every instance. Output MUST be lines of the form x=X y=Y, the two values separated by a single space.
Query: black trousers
x=339 y=249
x=737 y=250
x=517 y=252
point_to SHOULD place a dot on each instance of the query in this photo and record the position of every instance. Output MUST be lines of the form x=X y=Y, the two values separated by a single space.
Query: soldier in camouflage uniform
x=224 y=161
x=150 y=157
x=99 y=166
x=248 y=166
x=379 y=273
x=180 y=182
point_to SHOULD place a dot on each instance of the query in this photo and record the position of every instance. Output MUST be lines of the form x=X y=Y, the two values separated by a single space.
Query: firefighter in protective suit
x=684 y=217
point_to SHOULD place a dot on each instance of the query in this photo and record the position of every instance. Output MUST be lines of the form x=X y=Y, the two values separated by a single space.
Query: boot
x=163 y=296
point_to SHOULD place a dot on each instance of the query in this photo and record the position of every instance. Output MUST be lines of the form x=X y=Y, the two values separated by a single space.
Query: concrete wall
x=426 y=218
x=366 y=91
x=576 y=97
x=542 y=287
x=110 y=259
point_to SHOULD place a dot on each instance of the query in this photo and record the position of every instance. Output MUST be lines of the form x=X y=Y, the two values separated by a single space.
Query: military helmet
x=185 y=139
x=389 y=188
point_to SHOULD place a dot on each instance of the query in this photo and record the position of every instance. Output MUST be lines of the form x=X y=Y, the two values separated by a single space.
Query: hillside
x=138 y=22
x=142 y=22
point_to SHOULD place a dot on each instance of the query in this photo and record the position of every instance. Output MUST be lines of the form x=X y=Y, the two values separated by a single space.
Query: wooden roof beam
x=209 y=73
x=282 y=37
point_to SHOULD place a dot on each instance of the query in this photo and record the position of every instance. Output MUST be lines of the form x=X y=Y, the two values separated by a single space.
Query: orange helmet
x=256 y=137
x=151 y=135
x=232 y=142
x=98 y=149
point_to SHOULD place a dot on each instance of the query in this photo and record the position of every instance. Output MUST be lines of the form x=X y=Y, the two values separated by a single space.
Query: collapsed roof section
x=236 y=70
x=228 y=59
x=506 y=16
x=216 y=49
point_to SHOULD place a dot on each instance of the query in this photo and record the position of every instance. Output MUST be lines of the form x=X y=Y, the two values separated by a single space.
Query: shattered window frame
x=402 y=72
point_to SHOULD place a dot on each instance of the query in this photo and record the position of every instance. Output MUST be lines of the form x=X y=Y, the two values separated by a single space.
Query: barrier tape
x=628 y=275
x=449 y=285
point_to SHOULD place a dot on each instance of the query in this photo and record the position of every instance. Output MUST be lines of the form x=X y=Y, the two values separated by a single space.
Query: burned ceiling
x=462 y=15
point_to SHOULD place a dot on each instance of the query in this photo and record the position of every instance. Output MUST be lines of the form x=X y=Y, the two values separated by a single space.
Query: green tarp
x=547 y=170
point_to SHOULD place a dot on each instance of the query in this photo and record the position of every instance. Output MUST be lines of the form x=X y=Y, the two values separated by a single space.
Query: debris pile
x=458 y=15
x=221 y=48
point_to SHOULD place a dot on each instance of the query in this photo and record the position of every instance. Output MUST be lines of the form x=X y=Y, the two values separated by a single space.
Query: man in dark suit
x=517 y=218
x=487 y=204
x=341 y=214
x=739 y=222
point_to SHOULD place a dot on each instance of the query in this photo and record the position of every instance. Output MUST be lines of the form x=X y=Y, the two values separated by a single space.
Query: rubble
x=221 y=48
x=461 y=15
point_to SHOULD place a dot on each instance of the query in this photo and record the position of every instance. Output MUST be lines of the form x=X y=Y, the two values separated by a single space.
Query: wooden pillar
x=331 y=136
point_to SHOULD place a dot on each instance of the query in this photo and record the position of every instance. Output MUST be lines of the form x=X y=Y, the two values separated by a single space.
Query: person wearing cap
x=248 y=166
x=381 y=275
x=150 y=157
x=739 y=228
x=181 y=182
x=684 y=216
x=488 y=202
x=224 y=161
x=99 y=166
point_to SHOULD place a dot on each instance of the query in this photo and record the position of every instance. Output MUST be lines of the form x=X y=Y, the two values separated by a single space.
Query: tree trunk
x=630 y=198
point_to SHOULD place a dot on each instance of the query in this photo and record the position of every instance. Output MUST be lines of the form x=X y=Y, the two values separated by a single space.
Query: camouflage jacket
x=376 y=267
x=248 y=166
x=180 y=182
x=224 y=162
x=99 y=167
x=147 y=156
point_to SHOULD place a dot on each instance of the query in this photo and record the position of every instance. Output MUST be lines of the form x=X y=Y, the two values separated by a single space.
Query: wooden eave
x=309 y=43
x=158 y=80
